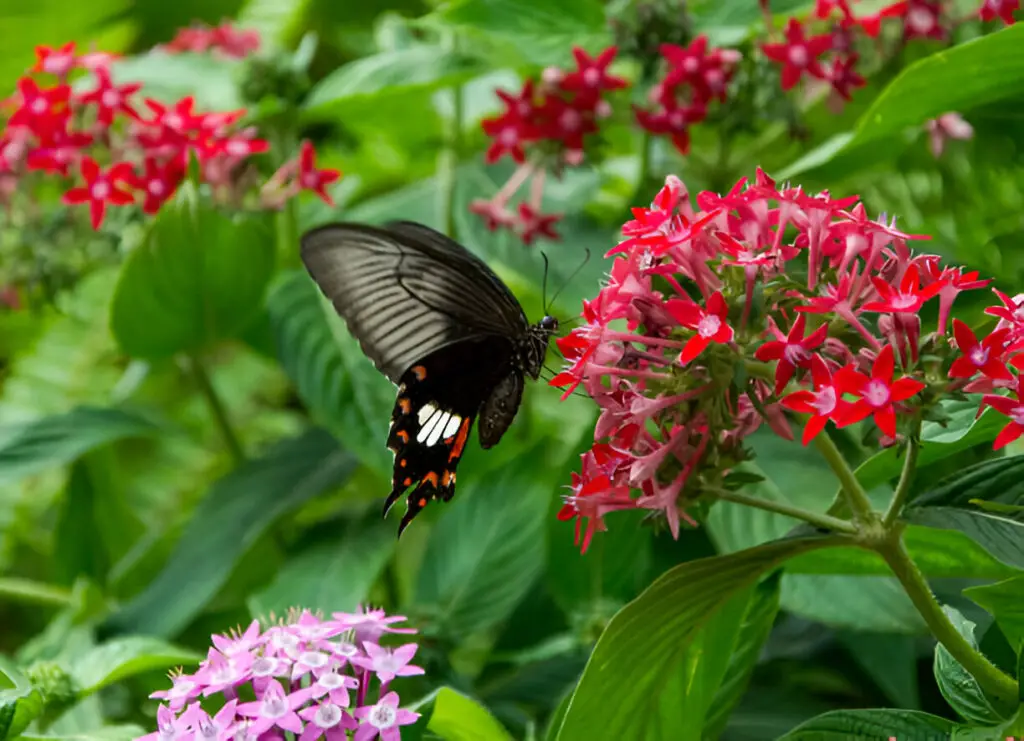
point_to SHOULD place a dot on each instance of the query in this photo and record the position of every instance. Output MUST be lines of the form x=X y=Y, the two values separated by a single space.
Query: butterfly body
x=440 y=325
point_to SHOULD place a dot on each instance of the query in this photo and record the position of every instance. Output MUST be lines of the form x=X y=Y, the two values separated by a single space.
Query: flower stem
x=857 y=498
x=781 y=508
x=217 y=409
x=993 y=681
x=906 y=475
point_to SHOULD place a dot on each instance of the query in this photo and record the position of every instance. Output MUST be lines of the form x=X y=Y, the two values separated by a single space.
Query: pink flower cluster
x=753 y=306
x=308 y=677
x=224 y=39
x=695 y=76
x=126 y=150
x=546 y=122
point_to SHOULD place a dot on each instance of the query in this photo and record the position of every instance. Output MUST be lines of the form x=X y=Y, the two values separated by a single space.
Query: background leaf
x=198 y=277
x=122 y=657
x=1003 y=601
x=960 y=689
x=234 y=513
x=839 y=725
x=458 y=718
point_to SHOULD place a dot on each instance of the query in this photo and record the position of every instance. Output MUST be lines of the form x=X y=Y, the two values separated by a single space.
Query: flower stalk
x=217 y=409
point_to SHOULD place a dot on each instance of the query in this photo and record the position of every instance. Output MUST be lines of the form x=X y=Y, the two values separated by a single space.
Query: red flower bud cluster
x=126 y=150
x=546 y=123
x=694 y=77
x=749 y=307
x=224 y=39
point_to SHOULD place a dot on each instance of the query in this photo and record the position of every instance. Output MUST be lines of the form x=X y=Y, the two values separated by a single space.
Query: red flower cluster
x=694 y=77
x=224 y=39
x=145 y=144
x=754 y=305
x=545 y=123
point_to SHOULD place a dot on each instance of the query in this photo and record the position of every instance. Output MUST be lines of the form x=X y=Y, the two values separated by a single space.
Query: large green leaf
x=486 y=550
x=643 y=646
x=389 y=73
x=115 y=660
x=332 y=576
x=536 y=31
x=198 y=277
x=459 y=718
x=743 y=648
x=235 y=512
x=958 y=78
x=337 y=382
x=1000 y=536
x=1003 y=600
x=843 y=725
x=957 y=685
x=54 y=441
x=1000 y=480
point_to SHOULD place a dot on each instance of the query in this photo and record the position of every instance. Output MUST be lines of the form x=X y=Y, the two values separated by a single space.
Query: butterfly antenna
x=586 y=259
x=544 y=290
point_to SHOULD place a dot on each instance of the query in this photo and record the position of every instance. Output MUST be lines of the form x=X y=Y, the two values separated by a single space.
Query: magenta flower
x=388 y=664
x=383 y=719
x=302 y=673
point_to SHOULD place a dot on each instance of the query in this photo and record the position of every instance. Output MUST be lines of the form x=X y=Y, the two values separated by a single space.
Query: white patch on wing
x=426 y=412
x=436 y=424
x=453 y=426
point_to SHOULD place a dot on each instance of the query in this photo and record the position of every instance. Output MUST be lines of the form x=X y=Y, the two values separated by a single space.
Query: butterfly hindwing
x=433 y=416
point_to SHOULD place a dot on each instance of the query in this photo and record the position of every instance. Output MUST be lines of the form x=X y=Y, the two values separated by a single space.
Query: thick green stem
x=220 y=414
x=993 y=681
x=857 y=498
x=814 y=518
x=906 y=475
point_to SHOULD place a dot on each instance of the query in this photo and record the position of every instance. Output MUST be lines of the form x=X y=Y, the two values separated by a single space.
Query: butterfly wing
x=436 y=321
x=406 y=290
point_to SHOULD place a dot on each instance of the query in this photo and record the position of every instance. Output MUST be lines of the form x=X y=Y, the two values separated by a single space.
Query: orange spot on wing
x=460 y=440
x=402 y=462
x=405 y=405
x=407 y=481
x=432 y=478
x=403 y=436
x=419 y=371
x=422 y=502
x=448 y=478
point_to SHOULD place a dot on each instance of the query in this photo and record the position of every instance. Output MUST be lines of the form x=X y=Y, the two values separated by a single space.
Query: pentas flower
x=1001 y=9
x=305 y=678
x=224 y=39
x=798 y=54
x=741 y=310
x=946 y=127
x=297 y=175
x=547 y=124
x=101 y=188
x=695 y=77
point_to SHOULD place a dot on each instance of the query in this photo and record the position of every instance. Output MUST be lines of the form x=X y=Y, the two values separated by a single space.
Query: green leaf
x=330 y=577
x=642 y=647
x=390 y=73
x=842 y=725
x=958 y=686
x=486 y=550
x=874 y=603
x=1003 y=601
x=961 y=432
x=54 y=441
x=744 y=648
x=198 y=277
x=343 y=390
x=460 y=718
x=959 y=78
x=1000 y=480
x=104 y=733
x=538 y=32
x=20 y=702
x=117 y=659
x=235 y=512
x=95 y=526
x=1000 y=536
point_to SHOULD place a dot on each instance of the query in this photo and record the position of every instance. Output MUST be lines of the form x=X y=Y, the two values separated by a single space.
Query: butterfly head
x=535 y=346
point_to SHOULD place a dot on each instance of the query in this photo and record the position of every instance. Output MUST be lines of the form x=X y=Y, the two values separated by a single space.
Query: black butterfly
x=442 y=326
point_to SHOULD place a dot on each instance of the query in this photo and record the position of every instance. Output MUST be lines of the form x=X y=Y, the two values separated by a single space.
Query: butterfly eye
x=549 y=324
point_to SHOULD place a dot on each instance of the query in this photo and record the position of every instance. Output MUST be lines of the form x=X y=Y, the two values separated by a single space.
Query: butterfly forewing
x=404 y=295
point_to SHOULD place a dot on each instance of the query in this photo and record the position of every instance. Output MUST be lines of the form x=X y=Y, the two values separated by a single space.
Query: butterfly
x=440 y=325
